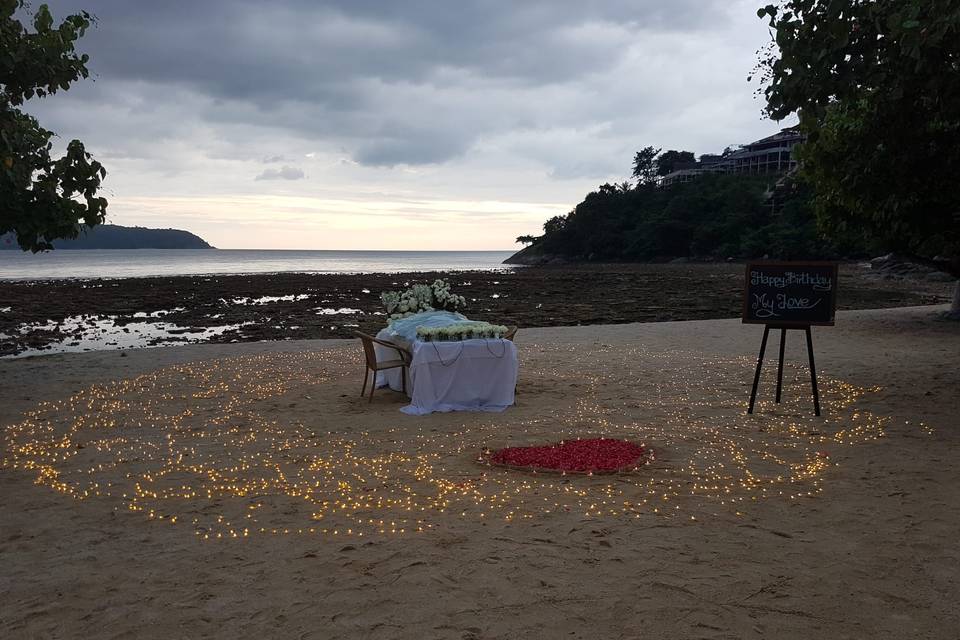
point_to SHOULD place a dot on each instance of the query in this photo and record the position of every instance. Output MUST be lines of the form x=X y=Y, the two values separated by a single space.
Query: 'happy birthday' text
x=819 y=282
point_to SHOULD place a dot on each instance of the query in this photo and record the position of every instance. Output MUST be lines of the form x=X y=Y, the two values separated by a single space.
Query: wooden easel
x=783 y=339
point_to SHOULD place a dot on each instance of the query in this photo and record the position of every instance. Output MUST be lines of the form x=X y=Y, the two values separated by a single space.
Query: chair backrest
x=511 y=333
x=368 y=350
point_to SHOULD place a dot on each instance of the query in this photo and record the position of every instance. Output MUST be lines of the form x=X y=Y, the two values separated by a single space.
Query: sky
x=358 y=124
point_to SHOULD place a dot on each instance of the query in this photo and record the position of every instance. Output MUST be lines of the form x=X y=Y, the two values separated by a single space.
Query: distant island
x=113 y=236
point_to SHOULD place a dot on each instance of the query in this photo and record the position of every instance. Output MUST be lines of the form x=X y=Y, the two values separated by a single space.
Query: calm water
x=120 y=263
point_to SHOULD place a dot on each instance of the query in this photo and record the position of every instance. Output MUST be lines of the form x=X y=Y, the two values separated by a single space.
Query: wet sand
x=301 y=306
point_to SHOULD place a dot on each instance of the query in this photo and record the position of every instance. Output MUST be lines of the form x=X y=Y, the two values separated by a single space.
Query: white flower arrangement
x=461 y=331
x=420 y=298
x=444 y=299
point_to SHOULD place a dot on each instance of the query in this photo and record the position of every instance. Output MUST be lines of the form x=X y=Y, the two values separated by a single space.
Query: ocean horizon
x=144 y=263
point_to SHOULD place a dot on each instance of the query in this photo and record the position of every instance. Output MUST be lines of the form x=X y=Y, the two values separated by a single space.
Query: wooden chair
x=372 y=364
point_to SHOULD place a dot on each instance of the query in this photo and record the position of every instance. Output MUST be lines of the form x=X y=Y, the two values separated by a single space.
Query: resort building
x=772 y=155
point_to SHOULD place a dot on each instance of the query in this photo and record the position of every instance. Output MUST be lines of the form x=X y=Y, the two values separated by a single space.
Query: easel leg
x=783 y=340
x=813 y=374
x=756 y=376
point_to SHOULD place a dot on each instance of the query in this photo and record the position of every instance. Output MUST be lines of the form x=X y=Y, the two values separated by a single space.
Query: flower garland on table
x=461 y=331
x=420 y=298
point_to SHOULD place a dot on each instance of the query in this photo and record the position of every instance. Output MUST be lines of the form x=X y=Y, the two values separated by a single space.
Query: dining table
x=476 y=374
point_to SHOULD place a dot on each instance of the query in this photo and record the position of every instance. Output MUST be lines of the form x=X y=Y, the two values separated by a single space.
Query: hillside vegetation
x=111 y=236
x=712 y=217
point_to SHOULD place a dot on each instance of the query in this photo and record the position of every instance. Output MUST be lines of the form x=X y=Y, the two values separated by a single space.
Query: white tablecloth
x=472 y=375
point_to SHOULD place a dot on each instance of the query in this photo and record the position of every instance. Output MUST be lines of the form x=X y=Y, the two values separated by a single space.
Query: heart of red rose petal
x=574 y=456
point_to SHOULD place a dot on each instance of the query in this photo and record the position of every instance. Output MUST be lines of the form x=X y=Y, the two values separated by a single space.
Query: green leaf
x=37 y=189
x=43 y=20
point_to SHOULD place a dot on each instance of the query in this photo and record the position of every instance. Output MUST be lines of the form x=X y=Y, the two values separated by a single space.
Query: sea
x=139 y=263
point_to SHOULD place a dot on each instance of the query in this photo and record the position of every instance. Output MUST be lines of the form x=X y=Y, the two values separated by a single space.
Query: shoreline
x=96 y=314
x=148 y=263
x=218 y=274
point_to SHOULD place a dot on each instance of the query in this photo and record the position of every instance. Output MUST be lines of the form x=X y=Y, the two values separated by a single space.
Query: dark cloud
x=284 y=173
x=395 y=83
x=301 y=48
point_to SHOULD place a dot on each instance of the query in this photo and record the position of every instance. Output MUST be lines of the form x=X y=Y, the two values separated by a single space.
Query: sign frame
x=745 y=317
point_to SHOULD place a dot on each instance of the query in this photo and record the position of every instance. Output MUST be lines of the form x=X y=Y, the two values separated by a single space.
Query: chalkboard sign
x=790 y=293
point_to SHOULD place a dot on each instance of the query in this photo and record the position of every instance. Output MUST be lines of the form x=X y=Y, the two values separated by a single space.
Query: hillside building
x=772 y=155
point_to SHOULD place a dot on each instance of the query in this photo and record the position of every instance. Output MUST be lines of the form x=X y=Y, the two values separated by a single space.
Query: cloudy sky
x=363 y=124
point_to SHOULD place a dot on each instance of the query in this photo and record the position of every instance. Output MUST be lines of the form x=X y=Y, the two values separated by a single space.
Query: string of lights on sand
x=215 y=446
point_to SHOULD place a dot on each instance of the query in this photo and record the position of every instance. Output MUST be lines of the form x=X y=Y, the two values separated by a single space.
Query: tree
x=877 y=89
x=527 y=239
x=608 y=189
x=556 y=224
x=668 y=161
x=645 y=166
x=42 y=198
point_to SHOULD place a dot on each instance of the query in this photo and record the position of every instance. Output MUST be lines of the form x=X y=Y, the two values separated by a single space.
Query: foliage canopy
x=671 y=160
x=877 y=89
x=645 y=166
x=713 y=217
x=42 y=198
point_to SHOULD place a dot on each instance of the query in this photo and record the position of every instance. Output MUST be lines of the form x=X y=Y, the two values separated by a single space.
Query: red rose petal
x=596 y=455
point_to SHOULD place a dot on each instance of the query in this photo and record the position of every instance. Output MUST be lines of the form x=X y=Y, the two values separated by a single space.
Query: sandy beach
x=246 y=490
